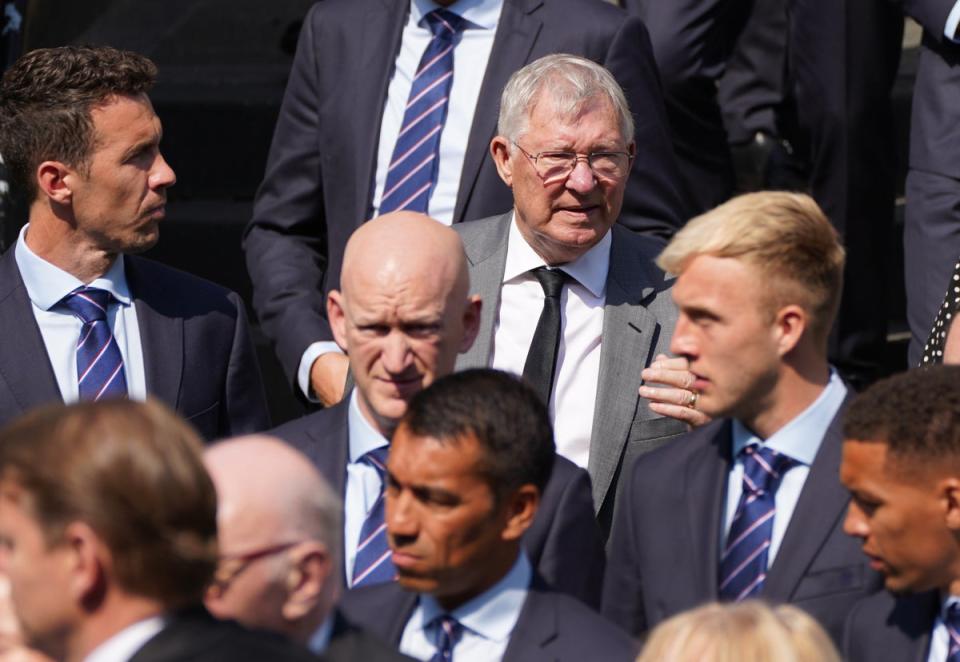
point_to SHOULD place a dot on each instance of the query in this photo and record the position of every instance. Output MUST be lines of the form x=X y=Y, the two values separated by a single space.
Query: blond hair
x=784 y=235
x=749 y=631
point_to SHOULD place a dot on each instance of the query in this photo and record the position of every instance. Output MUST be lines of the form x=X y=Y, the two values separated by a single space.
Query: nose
x=855 y=524
x=683 y=343
x=400 y=518
x=581 y=179
x=396 y=353
x=162 y=175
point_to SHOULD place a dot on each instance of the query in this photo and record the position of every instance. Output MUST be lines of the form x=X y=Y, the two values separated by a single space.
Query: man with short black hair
x=901 y=463
x=109 y=538
x=81 y=316
x=466 y=470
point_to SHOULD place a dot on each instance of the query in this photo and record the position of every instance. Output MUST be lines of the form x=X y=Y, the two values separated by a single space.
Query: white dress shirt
x=800 y=439
x=939 y=637
x=470 y=57
x=363 y=481
x=46 y=285
x=488 y=620
x=950 y=30
x=124 y=644
x=574 y=395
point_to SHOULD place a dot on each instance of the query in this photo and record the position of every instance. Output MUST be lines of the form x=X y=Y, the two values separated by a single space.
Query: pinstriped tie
x=99 y=363
x=372 y=564
x=952 y=621
x=743 y=567
x=413 y=168
x=447 y=633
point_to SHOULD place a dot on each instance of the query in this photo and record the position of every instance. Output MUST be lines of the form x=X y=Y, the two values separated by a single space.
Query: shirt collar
x=47 y=283
x=492 y=614
x=795 y=439
x=590 y=269
x=320 y=639
x=126 y=642
x=482 y=14
x=363 y=438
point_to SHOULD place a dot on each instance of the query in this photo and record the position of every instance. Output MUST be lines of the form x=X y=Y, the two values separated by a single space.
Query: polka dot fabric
x=933 y=350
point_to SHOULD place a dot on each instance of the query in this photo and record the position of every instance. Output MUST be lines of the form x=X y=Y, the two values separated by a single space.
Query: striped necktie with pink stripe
x=372 y=564
x=743 y=566
x=413 y=169
x=99 y=362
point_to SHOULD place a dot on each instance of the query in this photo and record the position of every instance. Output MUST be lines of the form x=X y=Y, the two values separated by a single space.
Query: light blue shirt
x=320 y=639
x=363 y=481
x=488 y=619
x=124 y=644
x=800 y=439
x=953 y=19
x=46 y=285
x=939 y=637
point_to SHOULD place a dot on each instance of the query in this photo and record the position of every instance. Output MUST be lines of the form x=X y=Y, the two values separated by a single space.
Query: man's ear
x=949 y=490
x=53 y=181
x=471 y=322
x=790 y=324
x=500 y=152
x=88 y=564
x=521 y=507
x=310 y=570
x=337 y=317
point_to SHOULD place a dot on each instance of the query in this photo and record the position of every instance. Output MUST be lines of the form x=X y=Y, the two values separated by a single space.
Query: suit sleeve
x=652 y=202
x=245 y=406
x=623 y=585
x=285 y=241
x=572 y=558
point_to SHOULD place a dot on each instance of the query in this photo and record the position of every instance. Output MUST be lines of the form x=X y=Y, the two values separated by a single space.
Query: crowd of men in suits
x=544 y=431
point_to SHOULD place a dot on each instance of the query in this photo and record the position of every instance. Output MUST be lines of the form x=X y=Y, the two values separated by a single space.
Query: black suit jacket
x=349 y=643
x=564 y=542
x=197 y=352
x=318 y=189
x=664 y=553
x=888 y=627
x=194 y=635
x=552 y=627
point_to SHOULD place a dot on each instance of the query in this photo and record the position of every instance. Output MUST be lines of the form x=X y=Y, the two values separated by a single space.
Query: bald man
x=278 y=525
x=402 y=315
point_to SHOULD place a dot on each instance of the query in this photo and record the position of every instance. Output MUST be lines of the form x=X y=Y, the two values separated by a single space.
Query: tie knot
x=551 y=280
x=377 y=458
x=763 y=468
x=445 y=24
x=88 y=303
x=447 y=634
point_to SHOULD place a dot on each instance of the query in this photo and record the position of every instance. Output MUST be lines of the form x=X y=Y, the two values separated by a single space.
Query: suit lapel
x=536 y=627
x=376 y=55
x=517 y=32
x=487 y=255
x=161 y=336
x=822 y=503
x=629 y=337
x=24 y=363
x=706 y=476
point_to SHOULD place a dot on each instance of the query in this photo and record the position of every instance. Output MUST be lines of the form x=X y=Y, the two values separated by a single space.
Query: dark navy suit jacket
x=197 y=352
x=318 y=184
x=664 y=552
x=564 y=542
x=552 y=627
x=888 y=627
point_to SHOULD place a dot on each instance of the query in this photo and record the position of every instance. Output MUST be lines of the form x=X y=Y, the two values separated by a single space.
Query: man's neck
x=114 y=614
x=66 y=249
x=796 y=389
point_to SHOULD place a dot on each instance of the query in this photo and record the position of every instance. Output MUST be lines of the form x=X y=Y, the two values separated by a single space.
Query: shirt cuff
x=950 y=31
x=306 y=362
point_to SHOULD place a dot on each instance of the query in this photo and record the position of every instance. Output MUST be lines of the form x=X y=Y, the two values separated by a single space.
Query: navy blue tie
x=743 y=566
x=952 y=622
x=99 y=362
x=447 y=632
x=372 y=564
x=413 y=169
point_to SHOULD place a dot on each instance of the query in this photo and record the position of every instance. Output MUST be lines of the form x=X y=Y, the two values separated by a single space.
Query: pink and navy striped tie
x=448 y=631
x=99 y=363
x=952 y=621
x=372 y=564
x=412 y=173
x=743 y=566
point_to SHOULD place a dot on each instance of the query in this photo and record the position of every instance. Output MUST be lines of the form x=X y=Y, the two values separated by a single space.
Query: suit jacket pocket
x=206 y=421
x=647 y=434
x=832 y=580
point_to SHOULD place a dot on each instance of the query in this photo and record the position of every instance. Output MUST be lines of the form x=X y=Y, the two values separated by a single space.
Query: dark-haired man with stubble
x=108 y=535
x=901 y=463
x=467 y=466
x=81 y=317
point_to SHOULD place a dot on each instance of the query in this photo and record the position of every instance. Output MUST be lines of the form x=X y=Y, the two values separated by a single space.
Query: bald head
x=404 y=310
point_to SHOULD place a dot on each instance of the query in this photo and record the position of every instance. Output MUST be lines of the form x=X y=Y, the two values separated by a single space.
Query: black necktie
x=541 y=362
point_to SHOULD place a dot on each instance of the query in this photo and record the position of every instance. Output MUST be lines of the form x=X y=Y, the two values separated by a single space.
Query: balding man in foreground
x=279 y=529
x=403 y=314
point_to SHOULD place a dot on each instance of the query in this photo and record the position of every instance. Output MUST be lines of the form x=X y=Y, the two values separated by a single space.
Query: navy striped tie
x=372 y=564
x=743 y=566
x=413 y=169
x=447 y=633
x=99 y=362
x=952 y=621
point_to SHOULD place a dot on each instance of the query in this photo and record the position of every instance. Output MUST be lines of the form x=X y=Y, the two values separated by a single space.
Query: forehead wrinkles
x=404 y=282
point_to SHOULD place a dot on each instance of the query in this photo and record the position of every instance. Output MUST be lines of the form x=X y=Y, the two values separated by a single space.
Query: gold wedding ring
x=692 y=402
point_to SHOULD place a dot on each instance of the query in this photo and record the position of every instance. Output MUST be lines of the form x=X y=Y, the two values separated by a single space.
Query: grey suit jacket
x=639 y=317
x=664 y=552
